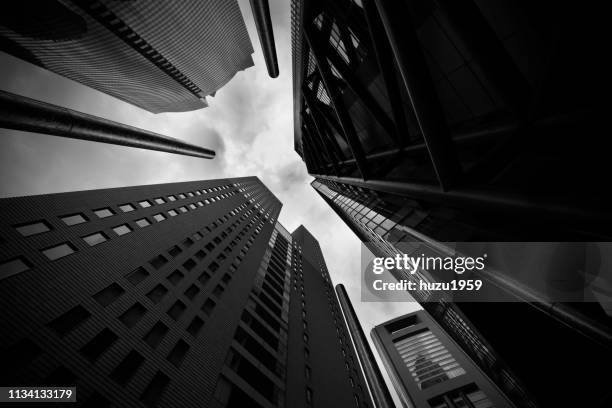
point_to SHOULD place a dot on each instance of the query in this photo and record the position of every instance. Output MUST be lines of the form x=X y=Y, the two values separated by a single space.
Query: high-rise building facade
x=428 y=369
x=181 y=294
x=450 y=121
x=160 y=56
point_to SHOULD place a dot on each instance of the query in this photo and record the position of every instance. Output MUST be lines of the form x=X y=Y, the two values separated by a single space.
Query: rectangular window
x=175 y=251
x=126 y=207
x=99 y=344
x=190 y=194
x=175 y=277
x=200 y=255
x=144 y=203
x=204 y=278
x=183 y=209
x=127 y=368
x=109 y=294
x=73 y=219
x=189 y=264
x=192 y=292
x=70 y=320
x=192 y=206
x=157 y=293
x=155 y=389
x=188 y=242
x=159 y=217
x=143 y=222
x=59 y=251
x=171 y=198
x=181 y=196
x=104 y=212
x=195 y=326
x=133 y=315
x=158 y=261
x=137 y=275
x=159 y=200
x=33 y=228
x=95 y=239
x=177 y=310
x=122 y=229
x=208 y=306
x=155 y=336
x=177 y=354
x=172 y=213
x=13 y=267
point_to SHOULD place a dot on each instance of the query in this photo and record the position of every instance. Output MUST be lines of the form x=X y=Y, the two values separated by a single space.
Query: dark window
x=208 y=306
x=191 y=292
x=155 y=335
x=67 y=322
x=200 y=255
x=126 y=207
x=157 y=293
x=210 y=246
x=175 y=277
x=189 y=264
x=175 y=250
x=195 y=326
x=204 y=278
x=95 y=239
x=226 y=278
x=137 y=275
x=188 y=242
x=143 y=222
x=127 y=368
x=109 y=294
x=104 y=212
x=131 y=316
x=158 y=261
x=122 y=229
x=99 y=344
x=177 y=310
x=213 y=266
x=59 y=251
x=13 y=267
x=73 y=219
x=33 y=228
x=155 y=389
x=218 y=290
x=178 y=353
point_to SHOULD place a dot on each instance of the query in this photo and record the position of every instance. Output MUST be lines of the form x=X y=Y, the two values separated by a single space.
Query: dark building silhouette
x=428 y=369
x=449 y=121
x=160 y=56
x=181 y=294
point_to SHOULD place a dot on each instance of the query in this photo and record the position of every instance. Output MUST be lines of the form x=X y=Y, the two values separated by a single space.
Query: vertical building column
x=410 y=60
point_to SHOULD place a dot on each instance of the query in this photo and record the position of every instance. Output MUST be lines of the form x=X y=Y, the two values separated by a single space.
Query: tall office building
x=181 y=294
x=428 y=369
x=160 y=56
x=455 y=121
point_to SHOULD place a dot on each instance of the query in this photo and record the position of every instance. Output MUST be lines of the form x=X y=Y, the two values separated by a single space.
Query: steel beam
x=263 y=22
x=338 y=104
x=412 y=66
x=22 y=113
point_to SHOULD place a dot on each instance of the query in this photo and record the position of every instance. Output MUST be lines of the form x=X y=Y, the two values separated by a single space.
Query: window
x=307 y=373
x=143 y=222
x=155 y=389
x=159 y=217
x=175 y=277
x=171 y=198
x=177 y=354
x=104 y=212
x=308 y=396
x=218 y=290
x=126 y=208
x=192 y=292
x=122 y=229
x=13 y=267
x=59 y=251
x=33 y=228
x=188 y=242
x=137 y=275
x=159 y=200
x=208 y=306
x=99 y=344
x=192 y=206
x=204 y=278
x=133 y=315
x=190 y=194
x=195 y=326
x=155 y=336
x=158 y=261
x=200 y=255
x=183 y=209
x=70 y=320
x=172 y=213
x=95 y=239
x=181 y=196
x=109 y=294
x=177 y=310
x=127 y=368
x=157 y=293
x=144 y=203
x=73 y=219
x=189 y=264
x=175 y=251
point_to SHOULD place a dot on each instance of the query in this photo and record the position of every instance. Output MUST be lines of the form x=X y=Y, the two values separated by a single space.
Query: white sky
x=249 y=123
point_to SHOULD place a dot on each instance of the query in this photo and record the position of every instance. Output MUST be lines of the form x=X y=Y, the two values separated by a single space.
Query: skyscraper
x=161 y=56
x=181 y=294
x=455 y=121
x=428 y=369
